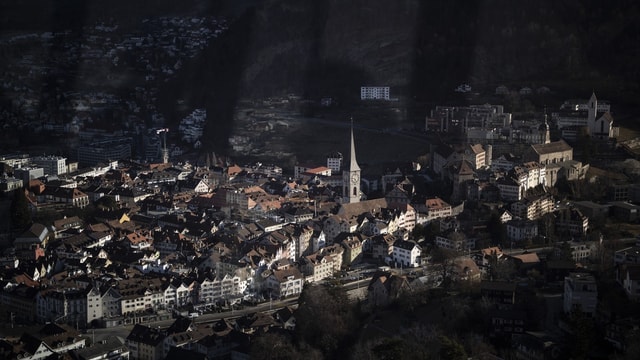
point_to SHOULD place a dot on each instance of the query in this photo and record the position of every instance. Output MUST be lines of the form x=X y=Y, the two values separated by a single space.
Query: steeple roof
x=353 y=164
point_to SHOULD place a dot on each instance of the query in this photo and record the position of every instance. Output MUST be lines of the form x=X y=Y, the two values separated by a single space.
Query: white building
x=286 y=282
x=406 y=253
x=52 y=165
x=374 y=93
x=520 y=230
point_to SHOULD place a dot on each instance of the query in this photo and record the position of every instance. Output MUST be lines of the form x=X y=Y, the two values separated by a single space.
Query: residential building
x=28 y=173
x=112 y=348
x=50 y=341
x=104 y=151
x=533 y=207
x=571 y=222
x=436 y=208
x=286 y=282
x=580 y=292
x=461 y=118
x=51 y=165
x=334 y=161
x=381 y=246
x=475 y=155
x=455 y=240
x=145 y=343
x=406 y=253
x=519 y=230
x=8 y=184
x=374 y=93
x=317 y=266
x=352 y=244
x=386 y=287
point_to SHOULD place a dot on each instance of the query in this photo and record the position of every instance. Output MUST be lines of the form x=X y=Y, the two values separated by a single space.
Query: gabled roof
x=552 y=147
x=405 y=244
x=146 y=335
x=528 y=258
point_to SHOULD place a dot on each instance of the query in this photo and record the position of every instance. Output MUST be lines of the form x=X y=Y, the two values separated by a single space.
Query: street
x=123 y=331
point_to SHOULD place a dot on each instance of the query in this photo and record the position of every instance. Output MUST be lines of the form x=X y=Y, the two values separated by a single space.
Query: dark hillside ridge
x=425 y=48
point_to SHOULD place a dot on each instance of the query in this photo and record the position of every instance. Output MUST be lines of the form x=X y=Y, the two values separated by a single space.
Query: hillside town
x=511 y=235
x=124 y=244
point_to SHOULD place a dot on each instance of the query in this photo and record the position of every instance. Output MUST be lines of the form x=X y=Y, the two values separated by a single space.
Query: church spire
x=351 y=175
x=353 y=164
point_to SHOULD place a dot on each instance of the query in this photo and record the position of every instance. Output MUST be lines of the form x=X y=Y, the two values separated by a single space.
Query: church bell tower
x=351 y=176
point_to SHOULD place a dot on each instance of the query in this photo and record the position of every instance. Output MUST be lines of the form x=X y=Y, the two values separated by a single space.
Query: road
x=123 y=331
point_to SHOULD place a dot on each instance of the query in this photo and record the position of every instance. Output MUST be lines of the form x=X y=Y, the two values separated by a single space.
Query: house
x=571 y=222
x=519 y=230
x=489 y=256
x=475 y=155
x=31 y=243
x=317 y=266
x=105 y=349
x=455 y=240
x=406 y=253
x=532 y=207
x=146 y=343
x=255 y=323
x=435 y=208
x=286 y=318
x=386 y=287
x=580 y=292
x=381 y=246
x=352 y=244
x=525 y=261
x=286 y=282
x=51 y=340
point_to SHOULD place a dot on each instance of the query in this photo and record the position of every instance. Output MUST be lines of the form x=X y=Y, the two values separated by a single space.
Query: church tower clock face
x=355 y=178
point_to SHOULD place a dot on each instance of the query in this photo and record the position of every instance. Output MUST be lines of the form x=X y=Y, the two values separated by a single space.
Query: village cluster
x=175 y=239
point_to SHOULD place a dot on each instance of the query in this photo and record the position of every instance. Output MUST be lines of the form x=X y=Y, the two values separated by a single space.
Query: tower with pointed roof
x=544 y=129
x=351 y=176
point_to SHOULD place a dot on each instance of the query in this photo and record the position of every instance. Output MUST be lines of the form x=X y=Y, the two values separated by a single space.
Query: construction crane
x=165 y=152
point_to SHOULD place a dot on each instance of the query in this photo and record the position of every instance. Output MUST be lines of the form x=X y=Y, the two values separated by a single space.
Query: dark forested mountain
x=422 y=49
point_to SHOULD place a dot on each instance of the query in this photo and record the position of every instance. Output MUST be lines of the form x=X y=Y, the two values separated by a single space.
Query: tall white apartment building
x=374 y=93
x=52 y=165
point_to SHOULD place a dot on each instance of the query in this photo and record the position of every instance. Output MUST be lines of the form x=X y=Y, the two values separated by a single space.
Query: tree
x=497 y=230
x=391 y=349
x=326 y=319
x=583 y=332
x=107 y=203
x=450 y=349
x=20 y=214
x=279 y=346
